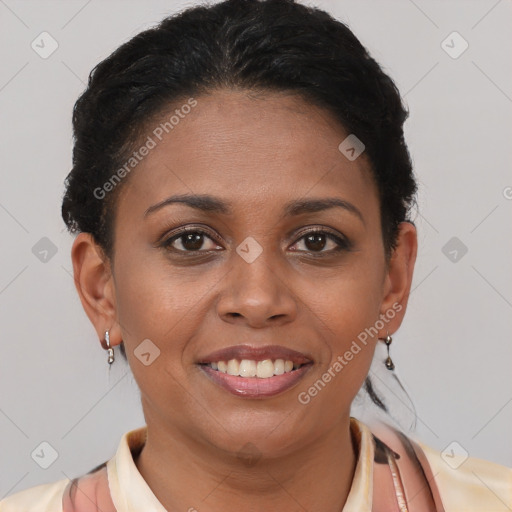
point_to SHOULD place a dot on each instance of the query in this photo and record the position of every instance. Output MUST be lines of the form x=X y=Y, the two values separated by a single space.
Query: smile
x=256 y=372
x=256 y=387
x=251 y=368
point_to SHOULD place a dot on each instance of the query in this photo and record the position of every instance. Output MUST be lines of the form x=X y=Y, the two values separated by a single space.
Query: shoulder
x=470 y=483
x=41 y=498
x=459 y=483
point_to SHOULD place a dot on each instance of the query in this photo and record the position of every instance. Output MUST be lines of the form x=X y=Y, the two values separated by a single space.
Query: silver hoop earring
x=109 y=348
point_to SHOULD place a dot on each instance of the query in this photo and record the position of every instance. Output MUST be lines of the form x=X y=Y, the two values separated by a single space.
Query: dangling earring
x=109 y=348
x=389 y=363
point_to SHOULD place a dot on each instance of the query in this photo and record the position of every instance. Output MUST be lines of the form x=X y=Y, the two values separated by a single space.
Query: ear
x=95 y=285
x=398 y=279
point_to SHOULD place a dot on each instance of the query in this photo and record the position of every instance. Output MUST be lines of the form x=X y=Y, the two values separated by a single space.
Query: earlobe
x=94 y=284
x=399 y=276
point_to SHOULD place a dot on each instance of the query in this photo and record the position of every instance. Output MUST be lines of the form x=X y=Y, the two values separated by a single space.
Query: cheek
x=353 y=297
x=349 y=308
x=353 y=339
x=157 y=301
x=347 y=312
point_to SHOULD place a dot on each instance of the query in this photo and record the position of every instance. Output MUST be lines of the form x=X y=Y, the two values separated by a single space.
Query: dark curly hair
x=253 y=45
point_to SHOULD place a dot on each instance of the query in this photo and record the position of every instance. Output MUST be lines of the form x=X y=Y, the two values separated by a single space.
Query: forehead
x=251 y=150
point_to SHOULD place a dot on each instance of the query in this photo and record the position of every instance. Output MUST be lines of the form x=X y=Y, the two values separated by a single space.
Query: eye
x=193 y=240
x=316 y=240
x=190 y=240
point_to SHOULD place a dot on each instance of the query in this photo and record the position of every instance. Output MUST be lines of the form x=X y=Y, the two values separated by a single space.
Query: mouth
x=256 y=372
x=264 y=369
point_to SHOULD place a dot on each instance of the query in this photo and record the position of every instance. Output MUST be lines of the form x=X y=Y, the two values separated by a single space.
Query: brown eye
x=194 y=240
x=317 y=240
x=190 y=240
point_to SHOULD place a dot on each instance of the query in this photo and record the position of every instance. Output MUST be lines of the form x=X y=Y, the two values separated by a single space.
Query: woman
x=241 y=189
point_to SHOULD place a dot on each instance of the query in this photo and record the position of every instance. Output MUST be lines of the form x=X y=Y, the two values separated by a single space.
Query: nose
x=257 y=294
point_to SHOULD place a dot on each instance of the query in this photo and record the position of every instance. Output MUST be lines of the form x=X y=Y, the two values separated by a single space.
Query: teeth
x=279 y=367
x=233 y=367
x=265 y=369
x=247 y=368
x=250 y=368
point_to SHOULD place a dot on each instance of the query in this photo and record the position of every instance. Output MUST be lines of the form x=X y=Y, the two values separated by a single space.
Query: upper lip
x=255 y=353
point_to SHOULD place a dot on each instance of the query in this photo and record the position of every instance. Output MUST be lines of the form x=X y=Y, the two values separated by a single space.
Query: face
x=265 y=272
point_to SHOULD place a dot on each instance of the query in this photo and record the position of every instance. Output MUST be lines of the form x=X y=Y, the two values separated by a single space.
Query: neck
x=184 y=475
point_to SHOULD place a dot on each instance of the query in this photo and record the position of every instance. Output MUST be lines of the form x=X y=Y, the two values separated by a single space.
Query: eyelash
x=342 y=243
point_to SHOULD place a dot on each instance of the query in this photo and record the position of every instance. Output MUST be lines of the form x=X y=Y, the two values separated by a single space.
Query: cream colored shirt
x=475 y=486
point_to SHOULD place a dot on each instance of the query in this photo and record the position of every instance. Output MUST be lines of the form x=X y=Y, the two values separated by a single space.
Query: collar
x=131 y=493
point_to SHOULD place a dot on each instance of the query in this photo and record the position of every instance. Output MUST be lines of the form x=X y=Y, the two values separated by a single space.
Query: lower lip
x=254 y=387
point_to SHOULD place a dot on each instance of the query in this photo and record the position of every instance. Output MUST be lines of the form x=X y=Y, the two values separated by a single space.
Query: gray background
x=453 y=352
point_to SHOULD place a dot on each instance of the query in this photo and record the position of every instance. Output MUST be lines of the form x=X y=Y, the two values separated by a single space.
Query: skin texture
x=258 y=153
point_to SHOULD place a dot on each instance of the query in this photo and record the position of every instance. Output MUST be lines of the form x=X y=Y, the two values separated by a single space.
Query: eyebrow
x=207 y=203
